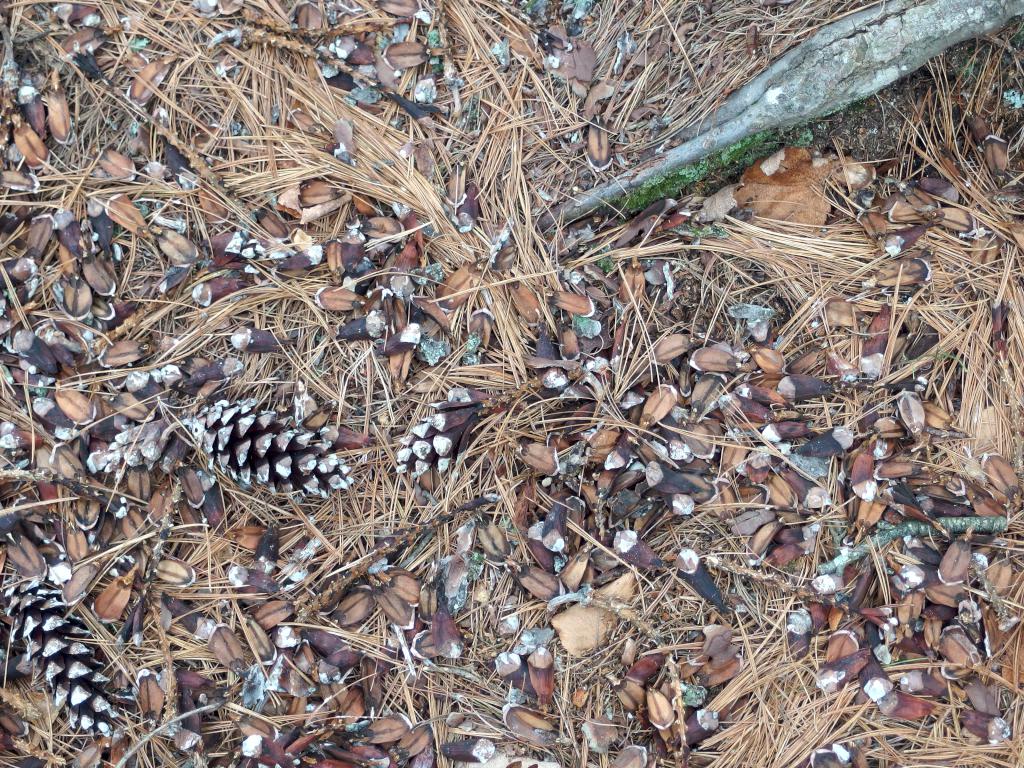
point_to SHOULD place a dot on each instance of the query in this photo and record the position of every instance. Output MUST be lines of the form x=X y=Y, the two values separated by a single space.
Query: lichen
x=1014 y=99
x=728 y=161
x=536 y=9
x=471 y=356
x=580 y=8
x=587 y=327
x=1017 y=40
x=431 y=350
x=693 y=695
x=699 y=232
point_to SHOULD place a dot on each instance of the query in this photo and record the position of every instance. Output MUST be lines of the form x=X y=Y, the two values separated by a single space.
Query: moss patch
x=728 y=161
x=803 y=137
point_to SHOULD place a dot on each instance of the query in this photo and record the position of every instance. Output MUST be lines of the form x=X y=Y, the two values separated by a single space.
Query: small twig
x=80 y=487
x=171 y=682
x=150 y=735
x=998 y=603
x=626 y=613
x=1015 y=413
x=20 y=703
x=275 y=39
x=166 y=524
x=773 y=579
x=9 y=64
x=26 y=747
x=887 y=534
x=682 y=754
x=337 y=29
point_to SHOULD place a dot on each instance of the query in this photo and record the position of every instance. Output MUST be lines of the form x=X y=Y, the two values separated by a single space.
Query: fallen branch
x=887 y=534
x=839 y=64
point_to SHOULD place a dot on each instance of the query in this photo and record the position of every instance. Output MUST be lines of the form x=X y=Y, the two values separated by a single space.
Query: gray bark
x=839 y=64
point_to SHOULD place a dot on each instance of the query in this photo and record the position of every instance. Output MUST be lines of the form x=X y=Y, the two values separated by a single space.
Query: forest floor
x=727 y=476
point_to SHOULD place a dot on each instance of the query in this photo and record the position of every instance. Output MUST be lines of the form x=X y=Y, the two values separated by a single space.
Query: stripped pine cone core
x=267 y=448
x=55 y=651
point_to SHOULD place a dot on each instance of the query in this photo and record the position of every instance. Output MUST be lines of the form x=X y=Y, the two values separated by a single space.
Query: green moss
x=801 y=138
x=664 y=186
x=728 y=161
x=745 y=151
x=860 y=105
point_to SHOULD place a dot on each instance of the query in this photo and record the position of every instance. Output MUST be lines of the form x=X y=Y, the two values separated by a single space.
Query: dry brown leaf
x=123 y=211
x=288 y=201
x=857 y=175
x=387 y=73
x=405 y=55
x=574 y=61
x=787 y=186
x=717 y=206
x=112 y=601
x=582 y=628
x=584 y=61
x=146 y=82
x=602 y=90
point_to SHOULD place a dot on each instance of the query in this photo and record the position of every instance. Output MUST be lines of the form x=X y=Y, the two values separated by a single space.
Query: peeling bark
x=839 y=64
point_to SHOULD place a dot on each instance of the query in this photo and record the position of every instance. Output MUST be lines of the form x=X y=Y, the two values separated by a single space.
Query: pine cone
x=438 y=440
x=54 y=649
x=269 y=448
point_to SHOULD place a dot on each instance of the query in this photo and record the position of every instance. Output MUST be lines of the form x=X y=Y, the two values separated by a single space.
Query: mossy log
x=844 y=61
